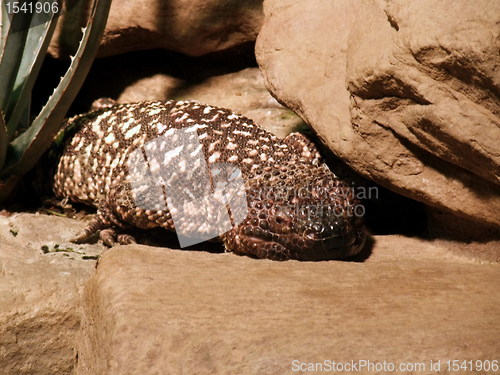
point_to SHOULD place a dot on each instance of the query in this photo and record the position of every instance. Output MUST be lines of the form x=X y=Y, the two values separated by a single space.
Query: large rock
x=407 y=93
x=222 y=79
x=190 y=27
x=243 y=92
x=161 y=311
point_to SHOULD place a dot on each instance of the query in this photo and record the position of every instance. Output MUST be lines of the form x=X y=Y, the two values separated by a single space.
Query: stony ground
x=156 y=310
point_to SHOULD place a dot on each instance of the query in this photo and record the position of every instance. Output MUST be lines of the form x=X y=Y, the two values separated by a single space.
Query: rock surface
x=242 y=92
x=227 y=79
x=190 y=27
x=407 y=93
x=40 y=293
x=167 y=311
x=198 y=312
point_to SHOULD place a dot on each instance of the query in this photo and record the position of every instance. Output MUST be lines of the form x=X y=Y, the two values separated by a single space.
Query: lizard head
x=304 y=214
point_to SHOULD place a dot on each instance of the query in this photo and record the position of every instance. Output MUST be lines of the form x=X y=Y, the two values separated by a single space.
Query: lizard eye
x=317 y=227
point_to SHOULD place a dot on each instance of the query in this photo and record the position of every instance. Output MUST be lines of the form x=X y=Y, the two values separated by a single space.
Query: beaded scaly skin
x=297 y=208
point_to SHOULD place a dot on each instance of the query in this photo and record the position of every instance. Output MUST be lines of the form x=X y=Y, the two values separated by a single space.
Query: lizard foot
x=94 y=226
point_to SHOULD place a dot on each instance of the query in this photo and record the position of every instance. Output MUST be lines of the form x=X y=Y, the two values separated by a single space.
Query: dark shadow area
x=386 y=212
x=391 y=213
x=110 y=76
x=161 y=237
x=365 y=253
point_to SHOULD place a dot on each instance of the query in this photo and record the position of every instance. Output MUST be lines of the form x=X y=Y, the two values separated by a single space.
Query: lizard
x=296 y=207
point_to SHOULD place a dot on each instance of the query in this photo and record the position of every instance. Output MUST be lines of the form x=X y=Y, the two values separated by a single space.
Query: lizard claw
x=108 y=236
x=126 y=239
x=94 y=226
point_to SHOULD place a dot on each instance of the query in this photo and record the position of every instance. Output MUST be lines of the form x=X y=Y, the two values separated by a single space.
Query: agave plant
x=25 y=38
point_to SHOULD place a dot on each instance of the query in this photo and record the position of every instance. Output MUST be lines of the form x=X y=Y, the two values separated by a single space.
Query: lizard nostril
x=317 y=227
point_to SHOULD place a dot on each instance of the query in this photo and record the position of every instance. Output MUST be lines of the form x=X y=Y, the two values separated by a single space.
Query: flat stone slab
x=161 y=311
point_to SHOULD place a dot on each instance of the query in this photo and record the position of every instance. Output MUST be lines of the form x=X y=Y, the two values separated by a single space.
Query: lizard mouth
x=313 y=240
x=330 y=243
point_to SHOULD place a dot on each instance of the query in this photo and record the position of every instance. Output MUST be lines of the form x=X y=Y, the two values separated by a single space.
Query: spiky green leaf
x=29 y=146
x=12 y=55
x=37 y=42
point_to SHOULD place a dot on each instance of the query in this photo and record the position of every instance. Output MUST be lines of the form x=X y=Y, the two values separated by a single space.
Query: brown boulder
x=407 y=93
x=190 y=27
x=161 y=311
x=243 y=92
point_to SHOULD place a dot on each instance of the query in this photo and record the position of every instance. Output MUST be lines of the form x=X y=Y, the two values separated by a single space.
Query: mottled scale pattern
x=297 y=208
